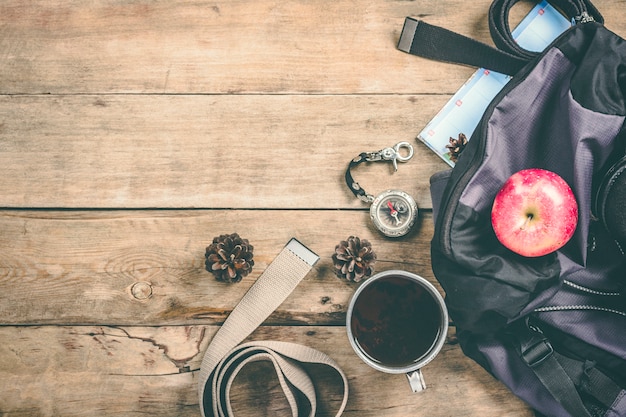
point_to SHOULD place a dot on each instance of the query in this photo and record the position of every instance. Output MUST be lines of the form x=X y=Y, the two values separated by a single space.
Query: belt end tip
x=408 y=34
x=304 y=253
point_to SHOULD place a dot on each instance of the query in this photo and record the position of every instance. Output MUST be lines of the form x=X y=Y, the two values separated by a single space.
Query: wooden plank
x=217 y=47
x=207 y=151
x=147 y=267
x=231 y=46
x=131 y=371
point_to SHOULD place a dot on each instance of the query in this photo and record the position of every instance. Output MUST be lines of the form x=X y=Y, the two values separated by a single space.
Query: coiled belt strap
x=225 y=357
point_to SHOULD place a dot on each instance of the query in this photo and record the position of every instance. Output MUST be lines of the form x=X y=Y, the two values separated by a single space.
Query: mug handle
x=416 y=380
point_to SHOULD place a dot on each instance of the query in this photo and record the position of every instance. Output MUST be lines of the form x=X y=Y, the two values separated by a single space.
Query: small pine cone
x=229 y=258
x=354 y=259
x=456 y=146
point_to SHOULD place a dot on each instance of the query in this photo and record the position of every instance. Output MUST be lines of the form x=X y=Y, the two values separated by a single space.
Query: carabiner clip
x=394 y=155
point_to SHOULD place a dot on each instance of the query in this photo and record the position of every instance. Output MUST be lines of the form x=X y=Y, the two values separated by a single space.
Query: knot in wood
x=141 y=290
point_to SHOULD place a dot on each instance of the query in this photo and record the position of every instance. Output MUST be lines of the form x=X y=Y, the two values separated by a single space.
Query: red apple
x=534 y=213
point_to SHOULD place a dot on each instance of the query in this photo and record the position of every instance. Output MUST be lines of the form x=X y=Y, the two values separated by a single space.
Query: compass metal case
x=394 y=213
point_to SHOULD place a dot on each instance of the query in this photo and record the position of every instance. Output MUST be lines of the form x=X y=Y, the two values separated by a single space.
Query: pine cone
x=456 y=146
x=354 y=259
x=229 y=258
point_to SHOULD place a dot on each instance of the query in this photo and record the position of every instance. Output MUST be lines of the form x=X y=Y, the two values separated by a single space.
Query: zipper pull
x=582 y=18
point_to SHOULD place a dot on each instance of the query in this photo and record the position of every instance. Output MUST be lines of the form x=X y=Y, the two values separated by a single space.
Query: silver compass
x=393 y=212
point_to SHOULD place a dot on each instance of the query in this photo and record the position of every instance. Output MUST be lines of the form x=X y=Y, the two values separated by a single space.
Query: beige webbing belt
x=225 y=356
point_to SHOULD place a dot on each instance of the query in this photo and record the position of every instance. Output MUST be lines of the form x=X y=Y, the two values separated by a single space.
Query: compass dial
x=394 y=212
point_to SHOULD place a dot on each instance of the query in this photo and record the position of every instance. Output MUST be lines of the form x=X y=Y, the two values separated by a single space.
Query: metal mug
x=397 y=323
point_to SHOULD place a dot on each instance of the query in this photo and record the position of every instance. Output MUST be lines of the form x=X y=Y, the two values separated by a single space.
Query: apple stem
x=529 y=217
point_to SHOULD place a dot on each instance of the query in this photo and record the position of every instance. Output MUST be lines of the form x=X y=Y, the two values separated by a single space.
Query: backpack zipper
x=451 y=198
x=590 y=290
x=587 y=290
x=548 y=309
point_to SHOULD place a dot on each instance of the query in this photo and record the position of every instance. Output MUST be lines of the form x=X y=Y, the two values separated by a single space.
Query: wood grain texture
x=207 y=151
x=131 y=371
x=231 y=47
x=216 y=47
x=147 y=267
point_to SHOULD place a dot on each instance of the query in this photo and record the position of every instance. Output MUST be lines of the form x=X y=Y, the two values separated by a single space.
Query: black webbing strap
x=433 y=42
x=537 y=352
x=562 y=376
x=590 y=379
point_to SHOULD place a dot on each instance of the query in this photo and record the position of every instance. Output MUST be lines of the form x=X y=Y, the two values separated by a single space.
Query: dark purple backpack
x=552 y=328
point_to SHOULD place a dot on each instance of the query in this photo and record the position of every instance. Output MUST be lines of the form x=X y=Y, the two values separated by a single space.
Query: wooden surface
x=133 y=132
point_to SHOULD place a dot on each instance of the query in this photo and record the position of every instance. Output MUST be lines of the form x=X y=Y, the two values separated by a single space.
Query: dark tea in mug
x=396 y=321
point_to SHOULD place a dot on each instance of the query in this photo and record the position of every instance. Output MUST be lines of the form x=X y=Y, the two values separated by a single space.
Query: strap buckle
x=537 y=348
